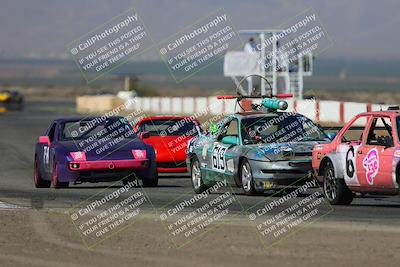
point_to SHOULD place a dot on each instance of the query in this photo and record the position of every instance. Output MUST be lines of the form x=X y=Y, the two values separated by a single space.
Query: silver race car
x=264 y=149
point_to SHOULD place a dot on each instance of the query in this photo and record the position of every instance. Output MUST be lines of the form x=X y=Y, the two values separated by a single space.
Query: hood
x=169 y=148
x=285 y=151
x=169 y=140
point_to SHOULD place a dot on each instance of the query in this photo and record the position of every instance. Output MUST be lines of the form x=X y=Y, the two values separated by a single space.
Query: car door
x=374 y=157
x=48 y=151
x=220 y=155
x=350 y=142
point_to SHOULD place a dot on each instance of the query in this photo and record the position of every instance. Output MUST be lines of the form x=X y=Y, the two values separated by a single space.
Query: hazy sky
x=362 y=29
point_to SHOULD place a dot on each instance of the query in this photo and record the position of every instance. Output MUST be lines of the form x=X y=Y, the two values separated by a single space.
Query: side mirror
x=331 y=136
x=45 y=140
x=230 y=140
x=144 y=135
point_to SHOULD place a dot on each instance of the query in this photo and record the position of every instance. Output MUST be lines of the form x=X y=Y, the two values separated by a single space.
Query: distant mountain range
x=328 y=74
x=360 y=29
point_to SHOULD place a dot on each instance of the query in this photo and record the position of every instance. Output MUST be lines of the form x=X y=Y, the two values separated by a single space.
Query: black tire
x=54 y=177
x=150 y=176
x=196 y=177
x=238 y=179
x=37 y=177
x=246 y=176
x=335 y=190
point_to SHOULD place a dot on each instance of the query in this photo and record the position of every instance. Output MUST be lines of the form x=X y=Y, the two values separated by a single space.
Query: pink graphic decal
x=371 y=165
x=139 y=154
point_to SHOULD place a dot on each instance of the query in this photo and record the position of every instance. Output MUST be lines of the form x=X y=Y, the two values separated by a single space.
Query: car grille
x=299 y=167
x=303 y=154
x=289 y=171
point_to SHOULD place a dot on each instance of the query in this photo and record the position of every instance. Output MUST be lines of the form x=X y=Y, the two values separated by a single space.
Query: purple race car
x=93 y=149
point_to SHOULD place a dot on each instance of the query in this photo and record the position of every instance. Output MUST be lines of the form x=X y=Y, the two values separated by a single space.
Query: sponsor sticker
x=371 y=165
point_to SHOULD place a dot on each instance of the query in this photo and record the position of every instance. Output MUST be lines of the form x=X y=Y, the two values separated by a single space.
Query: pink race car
x=363 y=157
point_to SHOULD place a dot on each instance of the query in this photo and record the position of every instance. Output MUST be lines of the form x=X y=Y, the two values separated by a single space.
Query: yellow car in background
x=11 y=100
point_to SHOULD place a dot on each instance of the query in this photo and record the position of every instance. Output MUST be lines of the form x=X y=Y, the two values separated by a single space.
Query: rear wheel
x=196 y=177
x=247 y=178
x=150 y=178
x=54 y=179
x=336 y=190
x=37 y=177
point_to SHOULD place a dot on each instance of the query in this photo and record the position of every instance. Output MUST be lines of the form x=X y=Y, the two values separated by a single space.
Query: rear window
x=169 y=127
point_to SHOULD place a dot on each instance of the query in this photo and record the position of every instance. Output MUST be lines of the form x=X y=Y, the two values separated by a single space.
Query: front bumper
x=171 y=166
x=101 y=170
x=133 y=164
x=281 y=174
x=172 y=170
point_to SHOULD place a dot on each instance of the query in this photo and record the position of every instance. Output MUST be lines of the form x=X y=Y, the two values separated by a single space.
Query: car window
x=52 y=131
x=380 y=133
x=355 y=132
x=169 y=127
x=230 y=128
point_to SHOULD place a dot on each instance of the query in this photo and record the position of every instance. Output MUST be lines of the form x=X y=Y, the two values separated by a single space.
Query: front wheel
x=247 y=178
x=196 y=177
x=54 y=179
x=37 y=178
x=336 y=190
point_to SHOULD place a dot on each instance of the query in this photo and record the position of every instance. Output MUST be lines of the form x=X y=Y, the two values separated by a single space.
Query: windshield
x=282 y=128
x=169 y=127
x=110 y=128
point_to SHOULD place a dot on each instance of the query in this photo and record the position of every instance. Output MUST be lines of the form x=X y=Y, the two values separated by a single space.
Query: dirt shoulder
x=47 y=238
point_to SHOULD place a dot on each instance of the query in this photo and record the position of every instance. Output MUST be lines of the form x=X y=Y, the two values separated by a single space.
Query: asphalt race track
x=19 y=132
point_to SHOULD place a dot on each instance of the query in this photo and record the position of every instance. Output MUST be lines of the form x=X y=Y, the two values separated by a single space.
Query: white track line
x=4 y=205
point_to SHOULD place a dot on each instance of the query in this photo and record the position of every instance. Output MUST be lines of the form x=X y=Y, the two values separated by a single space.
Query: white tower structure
x=283 y=67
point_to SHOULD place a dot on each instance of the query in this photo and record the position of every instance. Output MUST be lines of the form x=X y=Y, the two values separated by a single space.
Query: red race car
x=364 y=157
x=169 y=136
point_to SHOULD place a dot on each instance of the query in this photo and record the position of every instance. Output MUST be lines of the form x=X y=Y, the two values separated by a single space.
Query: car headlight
x=78 y=156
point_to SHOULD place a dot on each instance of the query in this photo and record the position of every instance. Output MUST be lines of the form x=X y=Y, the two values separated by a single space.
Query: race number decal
x=218 y=158
x=46 y=154
x=350 y=161
x=348 y=158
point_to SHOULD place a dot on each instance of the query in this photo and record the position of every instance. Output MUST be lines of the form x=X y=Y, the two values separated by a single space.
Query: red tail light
x=78 y=156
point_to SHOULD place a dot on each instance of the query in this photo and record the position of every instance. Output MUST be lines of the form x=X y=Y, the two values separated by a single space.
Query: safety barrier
x=317 y=110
